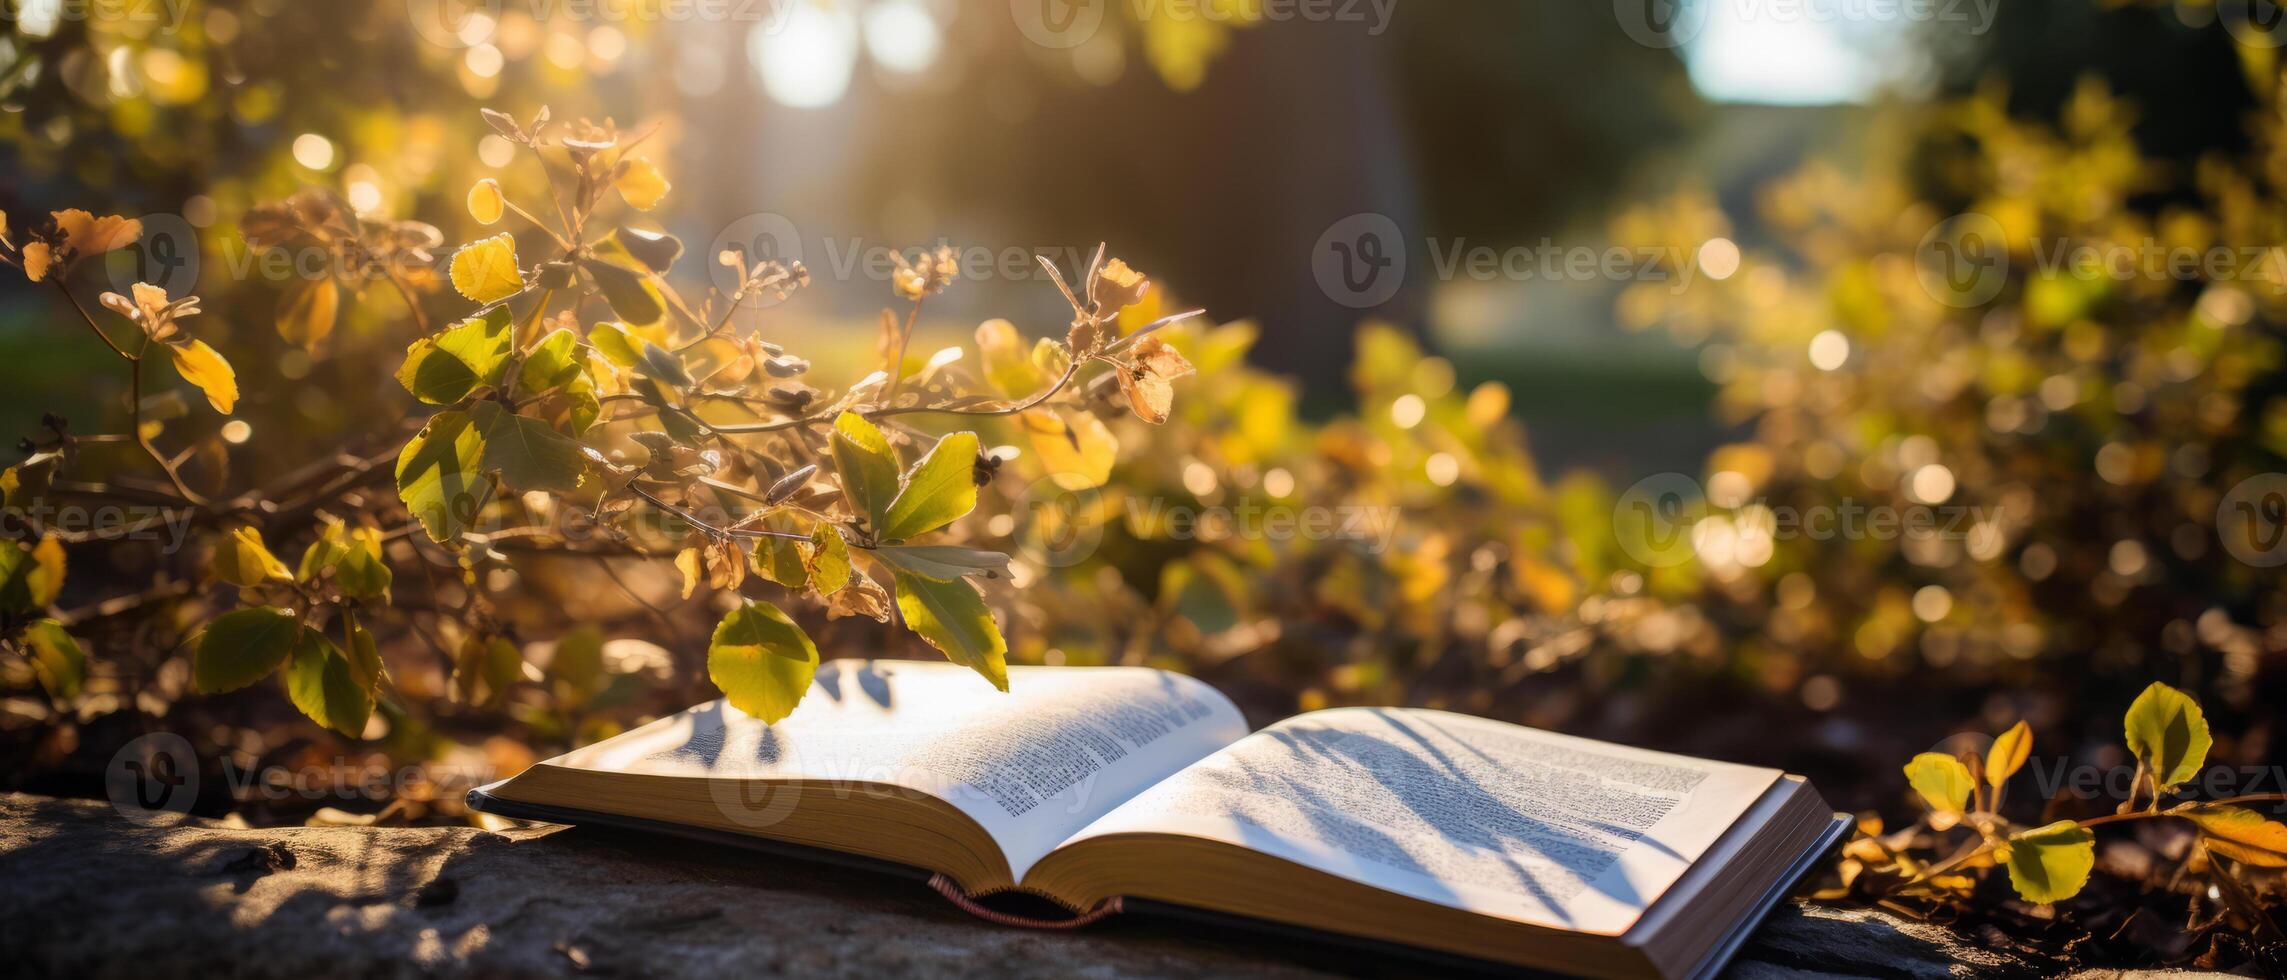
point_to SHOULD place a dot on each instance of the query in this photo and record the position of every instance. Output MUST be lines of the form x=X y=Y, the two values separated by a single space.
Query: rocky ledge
x=90 y=894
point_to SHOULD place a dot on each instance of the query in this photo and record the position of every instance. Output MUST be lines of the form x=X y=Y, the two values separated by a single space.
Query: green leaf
x=625 y=283
x=443 y=369
x=2008 y=754
x=762 y=661
x=326 y=687
x=491 y=664
x=362 y=573
x=867 y=467
x=2050 y=864
x=439 y=476
x=944 y=562
x=2168 y=734
x=553 y=362
x=937 y=492
x=827 y=559
x=2243 y=835
x=30 y=578
x=615 y=342
x=528 y=454
x=1942 y=780
x=364 y=653
x=239 y=648
x=955 y=620
x=324 y=553
x=56 y=659
x=780 y=560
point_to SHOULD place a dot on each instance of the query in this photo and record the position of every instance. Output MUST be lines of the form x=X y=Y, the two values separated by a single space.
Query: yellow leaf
x=1550 y=588
x=1941 y=779
x=242 y=560
x=1008 y=365
x=307 y=316
x=1118 y=286
x=2168 y=734
x=640 y=184
x=485 y=270
x=691 y=563
x=2008 y=754
x=2243 y=835
x=201 y=366
x=86 y=234
x=37 y=258
x=2050 y=864
x=486 y=202
x=45 y=579
x=1075 y=448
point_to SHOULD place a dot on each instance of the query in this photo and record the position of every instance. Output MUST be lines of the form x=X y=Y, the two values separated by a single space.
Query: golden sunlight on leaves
x=241 y=559
x=762 y=661
x=307 y=312
x=954 y=619
x=201 y=366
x=486 y=203
x=2051 y=863
x=485 y=270
x=2008 y=754
x=1943 y=782
x=640 y=184
x=2168 y=734
x=2243 y=835
x=1075 y=448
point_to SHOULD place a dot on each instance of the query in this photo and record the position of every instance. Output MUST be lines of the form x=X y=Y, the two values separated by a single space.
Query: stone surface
x=88 y=894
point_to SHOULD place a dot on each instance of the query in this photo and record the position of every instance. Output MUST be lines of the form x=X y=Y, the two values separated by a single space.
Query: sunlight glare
x=806 y=62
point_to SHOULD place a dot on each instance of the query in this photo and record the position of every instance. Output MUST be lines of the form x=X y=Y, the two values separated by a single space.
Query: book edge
x=1715 y=960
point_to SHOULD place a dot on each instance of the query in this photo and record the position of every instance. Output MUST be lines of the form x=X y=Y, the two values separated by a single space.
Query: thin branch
x=91 y=324
x=710 y=529
x=897 y=361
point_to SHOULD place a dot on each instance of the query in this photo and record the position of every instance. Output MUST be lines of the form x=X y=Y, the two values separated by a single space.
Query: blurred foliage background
x=1781 y=344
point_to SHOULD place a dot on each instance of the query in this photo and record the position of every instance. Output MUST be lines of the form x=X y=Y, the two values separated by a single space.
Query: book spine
x=953 y=893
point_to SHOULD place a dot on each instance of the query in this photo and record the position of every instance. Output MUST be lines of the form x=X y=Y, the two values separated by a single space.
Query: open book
x=1123 y=787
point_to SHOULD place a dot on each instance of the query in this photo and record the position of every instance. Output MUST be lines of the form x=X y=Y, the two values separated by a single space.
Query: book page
x=1496 y=819
x=1064 y=746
